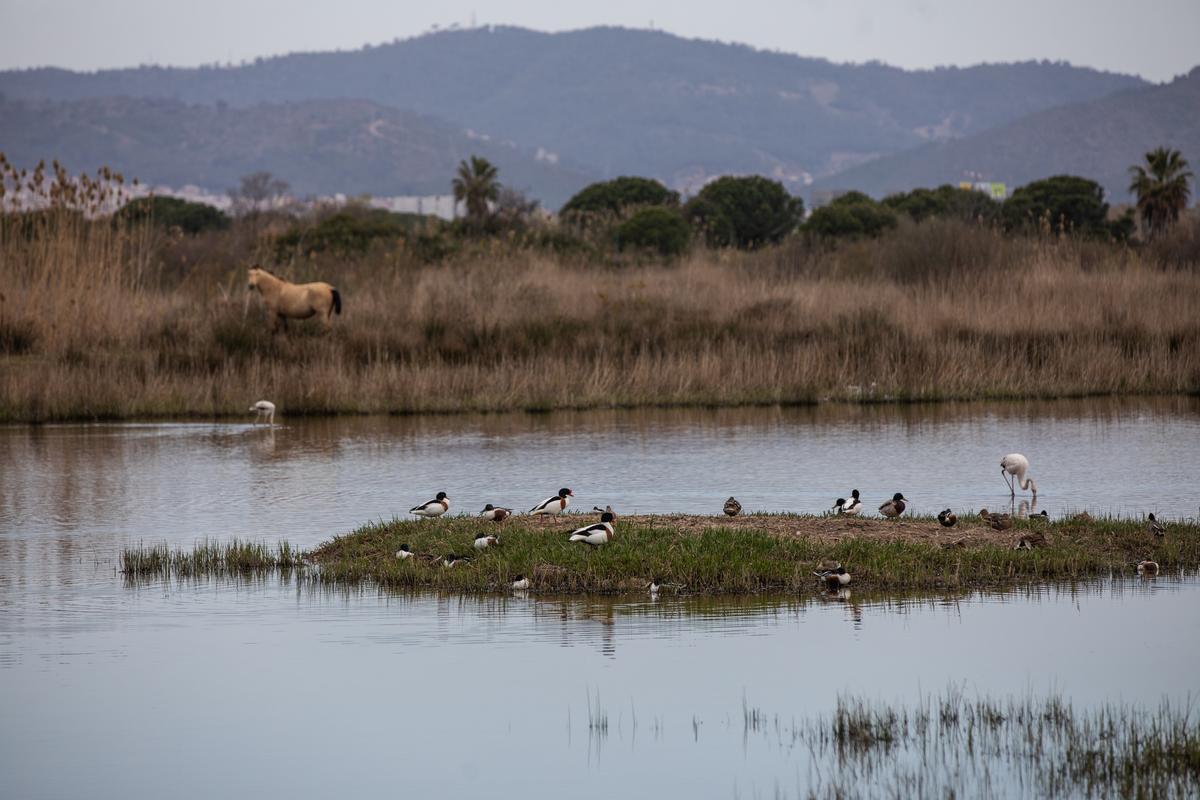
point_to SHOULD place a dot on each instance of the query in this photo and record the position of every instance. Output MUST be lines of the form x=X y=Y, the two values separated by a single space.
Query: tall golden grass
x=104 y=321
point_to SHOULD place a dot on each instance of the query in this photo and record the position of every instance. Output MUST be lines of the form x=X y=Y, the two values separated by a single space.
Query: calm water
x=272 y=689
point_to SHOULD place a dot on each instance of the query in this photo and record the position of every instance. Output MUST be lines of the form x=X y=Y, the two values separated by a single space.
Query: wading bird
x=264 y=409
x=947 y=518
x=1016 y=465
x=597 y=534
x=495 y=514
x=434 y=508
x=554 y=505
x=894 y=507
x=732 y=507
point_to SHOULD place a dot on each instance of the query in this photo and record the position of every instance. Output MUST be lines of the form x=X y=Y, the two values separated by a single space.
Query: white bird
x=853 y=507
x=404 y=552
x=1017 y=465
x=264 y=409
x=595 y=535
x=485 y=540
x=495 y=514
x=520 y=583
x=434 y=508
x=554 y=505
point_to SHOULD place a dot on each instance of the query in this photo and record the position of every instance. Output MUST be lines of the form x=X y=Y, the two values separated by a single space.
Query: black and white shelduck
x=833 y=575
x=654 y=585
x=554 y=505
x=595 y=535
x=495 y=514
x=853 y=506
x=947 y=519
x=485 y=540
x=1154 y=526
x=519 y=583
x=404 y=553
x=1041 y=516
x=434 y=508
x=894 y=507
x=451 y=560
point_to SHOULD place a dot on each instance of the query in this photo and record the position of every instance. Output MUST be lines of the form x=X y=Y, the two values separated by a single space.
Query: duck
x=485 y=540
x=554 y=505
x=519 y=583
x=434 y=508
x=852 y=507
x=654 y=585
x=451 y=560
x=732 y=507
x=597 y=534
x=1147 y=567
x=894 y=507
x=1000 y=522
x=1030 y=541
x=839 y=505
x=495 y=513
x=833 y=575
x=1041 y=516
x=404 y=552
x=1155 y=527
x=947 y=519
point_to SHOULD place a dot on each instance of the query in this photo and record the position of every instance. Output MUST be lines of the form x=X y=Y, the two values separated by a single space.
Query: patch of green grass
x=208 y=558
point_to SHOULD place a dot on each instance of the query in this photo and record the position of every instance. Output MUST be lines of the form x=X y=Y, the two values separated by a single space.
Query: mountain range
x=555 y=111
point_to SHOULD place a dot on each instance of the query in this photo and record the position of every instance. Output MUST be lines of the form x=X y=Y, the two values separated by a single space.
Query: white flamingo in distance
x=1017 y=465
x=264 y=409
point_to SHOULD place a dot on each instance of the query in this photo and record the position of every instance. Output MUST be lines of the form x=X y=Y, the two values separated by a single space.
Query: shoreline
x=700 y=555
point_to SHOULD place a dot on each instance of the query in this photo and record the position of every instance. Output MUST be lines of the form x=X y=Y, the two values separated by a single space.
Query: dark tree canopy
x=1162 y=185
x=1063 y=203
x=663 y=230
x=745 y=212
x=945 y=201
x=173 y=212
x=618 y=194
x=849 y=216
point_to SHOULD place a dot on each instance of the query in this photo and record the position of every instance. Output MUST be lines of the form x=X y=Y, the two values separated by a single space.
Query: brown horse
x=286 y=300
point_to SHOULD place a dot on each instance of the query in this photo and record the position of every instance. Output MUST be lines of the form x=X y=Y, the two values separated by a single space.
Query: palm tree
x=475 y=185
x=1162 y=189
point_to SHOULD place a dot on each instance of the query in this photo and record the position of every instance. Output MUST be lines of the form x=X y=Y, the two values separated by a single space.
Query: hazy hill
x=320 y=146
x=628 y=101
x=1100 y=139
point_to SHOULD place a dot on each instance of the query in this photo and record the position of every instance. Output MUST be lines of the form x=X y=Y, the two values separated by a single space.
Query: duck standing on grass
x=1155 y=527
x=554 y=505
x=853 y=506
x=833 y=575
x=597 y=534
x=495 y=514
x=894 y=507
x=732 y=507
x=947 y=519
x=434 y=508
x=485 y=540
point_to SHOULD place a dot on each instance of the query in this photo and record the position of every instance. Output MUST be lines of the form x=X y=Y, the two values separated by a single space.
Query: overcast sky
x=1157 y=39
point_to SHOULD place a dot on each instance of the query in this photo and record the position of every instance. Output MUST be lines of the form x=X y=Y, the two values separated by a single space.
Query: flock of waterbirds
x=1014 y=468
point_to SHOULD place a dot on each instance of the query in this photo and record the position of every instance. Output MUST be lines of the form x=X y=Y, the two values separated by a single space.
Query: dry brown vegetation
x=103 y=321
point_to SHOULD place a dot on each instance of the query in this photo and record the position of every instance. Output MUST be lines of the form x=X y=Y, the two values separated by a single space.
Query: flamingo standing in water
x=264 y=409
x=1017 y=465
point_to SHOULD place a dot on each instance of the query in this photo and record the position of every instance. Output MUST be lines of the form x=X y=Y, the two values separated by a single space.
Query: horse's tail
x=337 y=301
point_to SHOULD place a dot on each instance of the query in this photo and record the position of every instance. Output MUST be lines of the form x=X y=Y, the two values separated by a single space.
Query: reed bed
x=103 y=322
x=955 y=746
x=209 y=558
x=707 y=555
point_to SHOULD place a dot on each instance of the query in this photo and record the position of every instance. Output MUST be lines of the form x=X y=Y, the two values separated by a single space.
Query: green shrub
x=850 y=216
x=350 y=231
x=1062 y=204
x=945 y=201
x=655 y=228
x=173 y=212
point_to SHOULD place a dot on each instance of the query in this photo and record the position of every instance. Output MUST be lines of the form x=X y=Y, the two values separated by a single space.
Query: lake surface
x=272 y=688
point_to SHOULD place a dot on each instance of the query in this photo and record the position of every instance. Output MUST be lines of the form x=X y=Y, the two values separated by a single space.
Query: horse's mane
x=261 y=268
